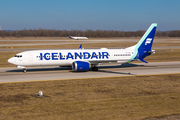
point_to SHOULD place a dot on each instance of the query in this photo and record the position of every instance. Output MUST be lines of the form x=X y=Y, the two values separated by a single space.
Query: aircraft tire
x=24 y=70
x=94 y=68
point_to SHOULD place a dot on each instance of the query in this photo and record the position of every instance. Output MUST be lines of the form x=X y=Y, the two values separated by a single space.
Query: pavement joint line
x=87 y=78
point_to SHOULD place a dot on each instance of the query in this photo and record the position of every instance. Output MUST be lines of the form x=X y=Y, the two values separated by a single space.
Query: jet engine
x=81 y=66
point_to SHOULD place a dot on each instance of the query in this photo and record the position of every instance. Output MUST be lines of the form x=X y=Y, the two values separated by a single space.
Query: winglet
x=80 y=47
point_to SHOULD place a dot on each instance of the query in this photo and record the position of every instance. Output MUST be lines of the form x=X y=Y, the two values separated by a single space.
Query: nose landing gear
x=22 y=67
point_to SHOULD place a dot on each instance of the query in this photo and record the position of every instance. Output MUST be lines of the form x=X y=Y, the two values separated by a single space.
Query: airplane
x=77 y=38
x=85 y=59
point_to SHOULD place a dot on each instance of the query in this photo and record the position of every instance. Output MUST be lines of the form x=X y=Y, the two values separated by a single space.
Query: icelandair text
x=75 y=55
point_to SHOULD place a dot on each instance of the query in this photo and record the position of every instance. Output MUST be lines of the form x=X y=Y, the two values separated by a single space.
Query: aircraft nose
x=10 y=60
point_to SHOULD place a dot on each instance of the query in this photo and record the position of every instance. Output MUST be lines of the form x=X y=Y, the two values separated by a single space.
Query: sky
x=126 y=15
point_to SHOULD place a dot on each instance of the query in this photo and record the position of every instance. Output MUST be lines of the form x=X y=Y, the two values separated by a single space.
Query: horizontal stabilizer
x=143 y=60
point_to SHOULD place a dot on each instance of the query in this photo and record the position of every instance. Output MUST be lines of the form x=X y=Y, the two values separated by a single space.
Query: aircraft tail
x=146 y=41
x=69 y=36
x=143 y=47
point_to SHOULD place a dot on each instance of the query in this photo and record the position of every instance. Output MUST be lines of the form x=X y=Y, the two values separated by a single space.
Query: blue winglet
x=80 y=47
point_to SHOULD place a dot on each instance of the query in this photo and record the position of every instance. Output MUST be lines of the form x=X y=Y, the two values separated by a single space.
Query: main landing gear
x=24 y=70
x=94 y=68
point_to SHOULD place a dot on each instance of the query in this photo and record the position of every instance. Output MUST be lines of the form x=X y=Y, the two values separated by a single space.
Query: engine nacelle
x=81 y=66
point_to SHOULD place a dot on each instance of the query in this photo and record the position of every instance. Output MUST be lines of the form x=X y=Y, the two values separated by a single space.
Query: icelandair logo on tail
x=148 y=41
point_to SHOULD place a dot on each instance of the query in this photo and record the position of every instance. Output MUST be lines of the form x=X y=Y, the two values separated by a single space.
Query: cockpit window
x=18 y=56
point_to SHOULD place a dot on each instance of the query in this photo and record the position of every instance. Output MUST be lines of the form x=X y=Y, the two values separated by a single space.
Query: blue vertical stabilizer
x=145 y=44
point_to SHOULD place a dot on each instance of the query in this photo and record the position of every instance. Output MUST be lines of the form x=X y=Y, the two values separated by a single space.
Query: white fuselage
x=77 y=38
x=67 y=57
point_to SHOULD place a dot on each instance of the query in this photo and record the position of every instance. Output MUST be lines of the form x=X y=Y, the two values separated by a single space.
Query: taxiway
x=108 y=70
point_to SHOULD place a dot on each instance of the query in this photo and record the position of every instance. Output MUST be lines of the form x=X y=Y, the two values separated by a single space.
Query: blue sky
x=127 y=15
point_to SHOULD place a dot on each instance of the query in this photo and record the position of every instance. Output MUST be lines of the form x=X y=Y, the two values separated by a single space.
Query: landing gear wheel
x=94 y=68
x=24 y=70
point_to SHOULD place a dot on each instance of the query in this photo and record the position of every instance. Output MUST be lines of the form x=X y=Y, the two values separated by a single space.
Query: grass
x=4 y=57
x=164 y=56
x=116 y=98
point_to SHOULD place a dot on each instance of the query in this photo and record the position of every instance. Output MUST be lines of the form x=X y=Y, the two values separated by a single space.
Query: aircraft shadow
x=69 y=68
x=41 y=69
x=115 y=66
x=124 y=65
x=115 y=72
